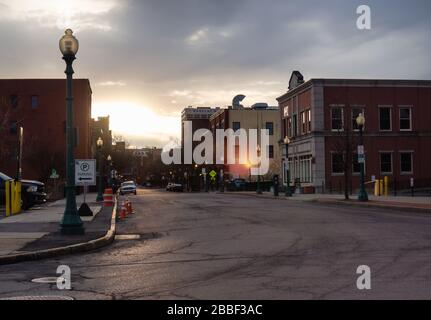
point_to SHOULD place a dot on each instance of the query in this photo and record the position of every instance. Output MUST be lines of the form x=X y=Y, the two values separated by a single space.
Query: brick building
x=39 y=106
x=319 y=116
x=258 y=116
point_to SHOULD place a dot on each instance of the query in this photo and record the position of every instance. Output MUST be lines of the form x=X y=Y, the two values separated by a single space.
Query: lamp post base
x=99 y=198
x=362 y=196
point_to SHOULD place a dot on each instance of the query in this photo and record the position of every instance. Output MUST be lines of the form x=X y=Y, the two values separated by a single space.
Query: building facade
x=259 y=116
x=319 y=118
x=39 y=107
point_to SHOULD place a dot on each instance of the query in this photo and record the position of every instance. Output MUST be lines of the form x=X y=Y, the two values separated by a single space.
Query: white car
x=128 y=187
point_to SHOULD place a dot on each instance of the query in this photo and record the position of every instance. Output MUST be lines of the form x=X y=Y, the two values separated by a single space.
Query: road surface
x=220 y=246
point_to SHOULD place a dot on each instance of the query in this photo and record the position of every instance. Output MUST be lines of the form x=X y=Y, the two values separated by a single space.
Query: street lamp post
x=288 y=192
x=258 y=189
x=71 y=223
x=109 y=158
x=360 y=121
x=99 y=144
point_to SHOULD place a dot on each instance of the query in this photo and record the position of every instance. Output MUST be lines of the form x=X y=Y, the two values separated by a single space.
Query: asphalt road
x=219 y=246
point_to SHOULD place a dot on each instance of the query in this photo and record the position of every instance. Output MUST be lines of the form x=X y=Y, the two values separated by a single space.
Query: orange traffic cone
x=123 y=211
x=129 y=207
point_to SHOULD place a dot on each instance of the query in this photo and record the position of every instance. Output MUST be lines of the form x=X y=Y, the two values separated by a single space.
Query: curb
x=108 y=238
x=403 y=207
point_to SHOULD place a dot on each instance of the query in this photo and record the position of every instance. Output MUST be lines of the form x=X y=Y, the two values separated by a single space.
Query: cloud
x=112 y=84
x=82 y=14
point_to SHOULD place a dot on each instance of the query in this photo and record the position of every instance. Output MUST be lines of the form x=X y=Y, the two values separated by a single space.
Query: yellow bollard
x=8 y=198
x=386 y=182
x=376 y=187
x=16 y=197
x=381 y=187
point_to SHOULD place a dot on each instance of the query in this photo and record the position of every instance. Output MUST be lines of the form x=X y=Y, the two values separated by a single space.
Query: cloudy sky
x=149 y=59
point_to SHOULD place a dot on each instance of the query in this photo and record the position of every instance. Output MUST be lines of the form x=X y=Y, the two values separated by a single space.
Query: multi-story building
x=319 y=118
x=258 y=116
x=39 y=107
x=100 y=128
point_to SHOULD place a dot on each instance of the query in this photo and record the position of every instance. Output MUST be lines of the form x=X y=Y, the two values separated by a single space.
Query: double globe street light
x=71 y=223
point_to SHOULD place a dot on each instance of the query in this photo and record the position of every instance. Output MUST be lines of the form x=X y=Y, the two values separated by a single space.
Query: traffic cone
x=123 y=211
x=129 y=207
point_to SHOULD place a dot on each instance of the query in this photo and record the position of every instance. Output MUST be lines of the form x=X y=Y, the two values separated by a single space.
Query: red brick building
x=39 y=106
x=319 y=118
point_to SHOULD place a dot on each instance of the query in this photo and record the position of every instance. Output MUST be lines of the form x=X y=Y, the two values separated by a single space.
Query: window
x=14 y=101
x=355 y=113
x=385 y=118
x=406 y=162
x=294 y=126
x=271 y=152
x=289 y=127
x=336 y=118
x=337 y=163
x=405 y=119
x=236 y=126
x=305 y=169
x=34 y=102
x=309 y=120
x=270 y=127
x=303 y=123
x=13 y=128
x=385 y=162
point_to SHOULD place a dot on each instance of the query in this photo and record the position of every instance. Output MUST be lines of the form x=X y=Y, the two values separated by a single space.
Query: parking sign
x=85 y=172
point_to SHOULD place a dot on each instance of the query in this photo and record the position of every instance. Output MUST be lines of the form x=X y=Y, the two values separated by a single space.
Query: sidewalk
x=38 y=228
x=421 y=204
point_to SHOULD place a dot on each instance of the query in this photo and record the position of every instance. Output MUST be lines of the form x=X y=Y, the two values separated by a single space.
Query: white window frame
x=342 y=107
x=390 y=107
x=399 y=118
x=411 y=158
x=392 y=163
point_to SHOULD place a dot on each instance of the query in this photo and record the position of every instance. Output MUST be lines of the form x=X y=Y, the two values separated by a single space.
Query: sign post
x=85 y=175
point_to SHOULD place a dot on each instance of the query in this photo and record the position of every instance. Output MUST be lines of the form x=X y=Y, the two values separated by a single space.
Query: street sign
x=85 y=172
x=54 y=174
x=361 y=158
x=360 y=150
x=213 y=175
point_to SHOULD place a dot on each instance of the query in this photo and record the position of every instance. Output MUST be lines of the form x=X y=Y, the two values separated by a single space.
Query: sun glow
x=133 y=120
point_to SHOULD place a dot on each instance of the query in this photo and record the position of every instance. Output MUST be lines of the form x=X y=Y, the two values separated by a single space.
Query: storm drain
x=45 y=280
x=39 y=298
x=127 y=236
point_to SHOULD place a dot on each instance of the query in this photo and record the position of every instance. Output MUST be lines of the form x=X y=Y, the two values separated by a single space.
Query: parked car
x=32 y=192
x=128 y=187
x=175 y=187
x=238 y=184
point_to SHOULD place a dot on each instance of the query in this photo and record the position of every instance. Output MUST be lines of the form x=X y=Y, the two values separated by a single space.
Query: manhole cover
x=127 y=237
x=45 y=280
x=39 y=298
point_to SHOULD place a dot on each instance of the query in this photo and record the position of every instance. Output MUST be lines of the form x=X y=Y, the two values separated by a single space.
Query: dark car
x=175 y=187
x=32 y=192
x=238 y=184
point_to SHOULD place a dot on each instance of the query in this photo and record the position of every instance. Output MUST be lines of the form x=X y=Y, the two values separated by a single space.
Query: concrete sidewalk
x=38 y=228
x=422 y=204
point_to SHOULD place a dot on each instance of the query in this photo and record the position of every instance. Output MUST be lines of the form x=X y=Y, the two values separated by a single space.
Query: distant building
x=318 y=115
x=258 y=116
x=39 y=106
x=100 y=128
